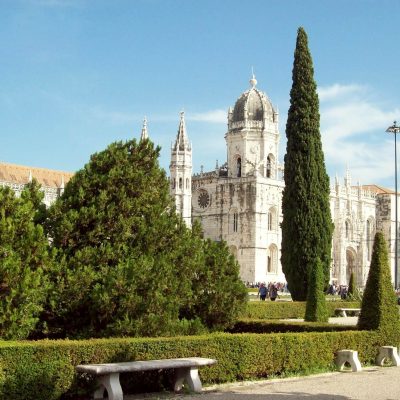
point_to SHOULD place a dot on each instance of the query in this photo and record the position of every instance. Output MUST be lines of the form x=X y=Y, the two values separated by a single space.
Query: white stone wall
x=351 y=208
x=251 y=240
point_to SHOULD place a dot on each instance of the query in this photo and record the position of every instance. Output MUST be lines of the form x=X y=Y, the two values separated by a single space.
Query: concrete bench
x=388 y=352
x=349 y=356
x=186 y=370
x=342 y=312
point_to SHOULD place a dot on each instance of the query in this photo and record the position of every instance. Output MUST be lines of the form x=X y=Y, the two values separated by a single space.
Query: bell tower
x=253 y=135
x=181 y=173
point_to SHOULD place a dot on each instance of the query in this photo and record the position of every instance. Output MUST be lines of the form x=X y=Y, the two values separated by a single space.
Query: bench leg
x=389 y=352
x=111 y=384
x=190 y=376
x=350 y=356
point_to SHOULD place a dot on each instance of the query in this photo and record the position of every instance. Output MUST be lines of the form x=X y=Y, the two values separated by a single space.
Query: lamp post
x=395 y=129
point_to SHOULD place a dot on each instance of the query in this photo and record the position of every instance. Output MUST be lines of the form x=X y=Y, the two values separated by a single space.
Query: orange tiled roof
x=20 y=174
x=377 y=189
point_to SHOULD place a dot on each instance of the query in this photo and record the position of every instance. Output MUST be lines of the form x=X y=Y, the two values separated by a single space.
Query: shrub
x=44 y=370
x=379 y=305
x=287 y=309
x=24 y=262
x=353 y=294
x=316 y=305
x=275 y=326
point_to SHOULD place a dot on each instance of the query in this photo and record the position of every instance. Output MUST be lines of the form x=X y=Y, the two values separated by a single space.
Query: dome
x=253 y=105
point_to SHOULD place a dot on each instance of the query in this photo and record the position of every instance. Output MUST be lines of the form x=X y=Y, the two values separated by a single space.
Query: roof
x=377 y=189
x=253 y=105
x=182 y=142
x=21 y=174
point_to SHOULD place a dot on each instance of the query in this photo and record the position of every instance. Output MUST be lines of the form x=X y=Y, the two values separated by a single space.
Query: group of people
x=270 y=291
x=341 y=290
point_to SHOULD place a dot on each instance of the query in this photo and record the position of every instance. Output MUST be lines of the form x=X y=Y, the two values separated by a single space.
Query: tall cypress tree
x=307 y=225
x=379 y=304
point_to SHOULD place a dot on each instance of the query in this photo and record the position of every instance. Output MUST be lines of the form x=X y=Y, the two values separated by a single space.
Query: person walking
x=262 y=291
x=273 y=292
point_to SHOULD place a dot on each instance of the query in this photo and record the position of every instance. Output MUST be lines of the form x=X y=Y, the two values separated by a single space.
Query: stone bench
x=342 y=312
x=186 y=370
x=349 y=356
x=388 y=352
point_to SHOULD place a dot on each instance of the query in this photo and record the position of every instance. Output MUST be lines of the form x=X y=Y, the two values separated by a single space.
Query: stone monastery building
x=241 y=201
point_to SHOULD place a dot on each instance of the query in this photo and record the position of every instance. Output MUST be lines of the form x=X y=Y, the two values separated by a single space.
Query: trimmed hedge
x=45 y=370
x=275 y=326
x=288 y=309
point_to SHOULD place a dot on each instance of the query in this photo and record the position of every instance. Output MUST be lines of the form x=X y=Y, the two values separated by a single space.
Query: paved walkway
x=373 y=383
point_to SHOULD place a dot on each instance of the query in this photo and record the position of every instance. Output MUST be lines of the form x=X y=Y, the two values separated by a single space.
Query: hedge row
x=45 y=370
x=288 y=309
x=276 y=326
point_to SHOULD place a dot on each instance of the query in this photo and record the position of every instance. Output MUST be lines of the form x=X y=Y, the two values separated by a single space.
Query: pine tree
x=316 y=310
x=307 y=225
x=128 y=262
x=24 y=263
x=379 y=308
x=219 y=294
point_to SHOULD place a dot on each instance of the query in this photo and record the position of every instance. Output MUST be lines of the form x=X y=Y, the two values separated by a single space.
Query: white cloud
x=335 y=91
x=353 y=133
x=213 y=116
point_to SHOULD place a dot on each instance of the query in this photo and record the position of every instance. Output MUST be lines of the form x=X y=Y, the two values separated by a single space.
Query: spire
x=253 y=80
x=182 y=142
x=347 y=180
x=30 y=176
x=144 y=134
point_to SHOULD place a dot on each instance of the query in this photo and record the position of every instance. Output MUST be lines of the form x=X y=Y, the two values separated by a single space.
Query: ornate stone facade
x=241 y=201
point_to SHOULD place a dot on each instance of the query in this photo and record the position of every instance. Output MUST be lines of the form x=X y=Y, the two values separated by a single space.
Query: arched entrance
x=351 y=265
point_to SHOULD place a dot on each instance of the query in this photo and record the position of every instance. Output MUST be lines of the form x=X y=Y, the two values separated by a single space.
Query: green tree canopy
x=218 y=292
x=307 y=225
x=24 y=262
x=128 y=263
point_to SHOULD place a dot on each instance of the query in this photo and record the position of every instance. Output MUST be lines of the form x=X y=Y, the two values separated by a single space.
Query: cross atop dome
x=253 y=80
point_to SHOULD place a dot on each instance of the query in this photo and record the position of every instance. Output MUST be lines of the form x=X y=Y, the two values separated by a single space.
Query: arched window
x=180 y=183
x=272 y=259
x=269 y=167
x=272 y=219
x=347 y=229
x=173 y=183
x=235 y=222
x=187 y=183
x=239 y=167
x=351 y=257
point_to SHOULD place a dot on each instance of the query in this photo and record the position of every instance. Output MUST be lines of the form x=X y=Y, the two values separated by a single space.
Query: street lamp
x=395 y=129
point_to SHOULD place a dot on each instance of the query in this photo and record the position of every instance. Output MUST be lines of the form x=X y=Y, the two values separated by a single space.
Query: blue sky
x=76 y=75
